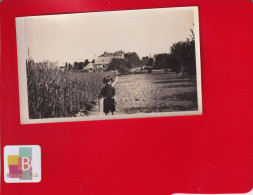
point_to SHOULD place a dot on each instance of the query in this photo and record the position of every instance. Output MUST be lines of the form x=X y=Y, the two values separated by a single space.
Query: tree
x=175 y=66
x=150 y=62
x=183 y=56
x=78 y=65
x=145 y=61
x=86 y=62
x=132 y=59
x=162 y=61
x=70 y=67
x=119 y=64
x=192 y=56
x=75 y=66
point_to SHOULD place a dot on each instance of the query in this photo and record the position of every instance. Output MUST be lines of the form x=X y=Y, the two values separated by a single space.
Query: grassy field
x=53 y=93
x=156 y=92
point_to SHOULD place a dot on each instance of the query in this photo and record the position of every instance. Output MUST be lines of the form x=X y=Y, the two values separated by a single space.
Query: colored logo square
x=12 y=160
x=25 y=152
x=14 y=172
x=22 y=164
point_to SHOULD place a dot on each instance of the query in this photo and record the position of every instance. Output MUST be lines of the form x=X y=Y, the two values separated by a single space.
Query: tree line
x=180 y=58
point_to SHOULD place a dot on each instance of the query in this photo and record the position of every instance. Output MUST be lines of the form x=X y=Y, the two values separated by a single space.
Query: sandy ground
x=156 y=92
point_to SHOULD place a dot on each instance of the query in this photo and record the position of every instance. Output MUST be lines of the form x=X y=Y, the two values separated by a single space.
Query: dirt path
x=156 y=92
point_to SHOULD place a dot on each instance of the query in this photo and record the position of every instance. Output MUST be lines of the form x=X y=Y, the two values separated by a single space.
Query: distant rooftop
x=117 y=53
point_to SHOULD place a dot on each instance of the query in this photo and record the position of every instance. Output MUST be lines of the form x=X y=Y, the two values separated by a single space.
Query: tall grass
x=53 y=93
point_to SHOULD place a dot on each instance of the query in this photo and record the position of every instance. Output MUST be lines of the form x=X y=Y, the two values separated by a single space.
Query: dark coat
x=108 y=93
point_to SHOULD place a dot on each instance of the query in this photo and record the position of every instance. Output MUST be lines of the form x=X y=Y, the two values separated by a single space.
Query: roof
x=117 y=54
x=89 y=66
x=103 y=60
x=106 y=57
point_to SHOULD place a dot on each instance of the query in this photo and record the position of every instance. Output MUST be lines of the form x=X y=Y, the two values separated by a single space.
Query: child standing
x=108 y=93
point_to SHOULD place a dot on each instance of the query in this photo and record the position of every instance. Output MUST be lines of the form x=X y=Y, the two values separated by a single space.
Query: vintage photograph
x=109 y=65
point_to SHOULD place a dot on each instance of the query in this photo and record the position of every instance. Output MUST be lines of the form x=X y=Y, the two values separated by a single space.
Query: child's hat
x=107 y=79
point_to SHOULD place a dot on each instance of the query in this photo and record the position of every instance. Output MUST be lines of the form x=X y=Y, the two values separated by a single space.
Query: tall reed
x=53 y=93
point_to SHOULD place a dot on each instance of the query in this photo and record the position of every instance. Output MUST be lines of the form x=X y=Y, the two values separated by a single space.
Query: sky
x=76 y=37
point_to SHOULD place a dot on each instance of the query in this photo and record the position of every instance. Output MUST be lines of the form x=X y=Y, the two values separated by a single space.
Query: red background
x=211 y=153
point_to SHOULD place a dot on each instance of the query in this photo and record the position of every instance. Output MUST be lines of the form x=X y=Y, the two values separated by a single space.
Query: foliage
x=162 y=61
x=53 y=93
x=146 y=61
x=86 y=62
x=132 y=59
x=80 y=65
x=183 y=56
x=119 y=64
x=150 y=62
x=174 y=65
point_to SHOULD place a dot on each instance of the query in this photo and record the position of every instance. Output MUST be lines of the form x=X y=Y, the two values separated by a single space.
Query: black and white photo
x=109 y=65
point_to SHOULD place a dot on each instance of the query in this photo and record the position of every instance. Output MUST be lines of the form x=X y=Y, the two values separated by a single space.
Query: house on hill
x=104 y=60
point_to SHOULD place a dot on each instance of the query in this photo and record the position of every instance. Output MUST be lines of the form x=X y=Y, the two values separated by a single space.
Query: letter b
x=27 y=162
